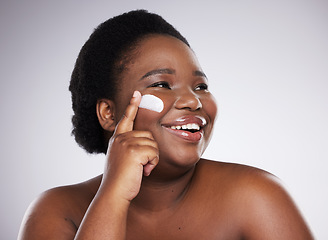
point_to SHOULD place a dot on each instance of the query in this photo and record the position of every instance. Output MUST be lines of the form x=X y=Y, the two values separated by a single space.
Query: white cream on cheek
x=152 y=103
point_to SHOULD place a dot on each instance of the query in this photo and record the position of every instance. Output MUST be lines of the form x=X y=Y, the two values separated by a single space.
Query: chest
x=196 y=223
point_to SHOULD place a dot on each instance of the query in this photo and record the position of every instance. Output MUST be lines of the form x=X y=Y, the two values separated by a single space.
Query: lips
x=189 y=128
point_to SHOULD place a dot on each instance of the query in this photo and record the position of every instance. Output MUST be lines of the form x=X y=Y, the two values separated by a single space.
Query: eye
x=161 y=85
x=202 y=86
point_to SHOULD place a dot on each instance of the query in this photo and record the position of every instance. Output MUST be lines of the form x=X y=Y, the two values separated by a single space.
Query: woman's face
x=167 y=68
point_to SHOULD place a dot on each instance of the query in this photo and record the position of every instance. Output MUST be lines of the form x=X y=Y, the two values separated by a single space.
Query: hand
x=130 y=154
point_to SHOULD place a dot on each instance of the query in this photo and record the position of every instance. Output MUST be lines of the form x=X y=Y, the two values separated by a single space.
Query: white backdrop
x=267 y=62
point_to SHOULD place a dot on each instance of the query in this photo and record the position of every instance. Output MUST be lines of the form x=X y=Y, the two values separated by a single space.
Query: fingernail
x=135 y=93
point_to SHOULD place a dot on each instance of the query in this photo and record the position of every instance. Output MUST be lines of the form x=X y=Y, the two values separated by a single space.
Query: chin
x=184 y=158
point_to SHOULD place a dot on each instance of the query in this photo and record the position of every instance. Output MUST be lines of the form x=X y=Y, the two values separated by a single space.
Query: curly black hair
x=99 y=64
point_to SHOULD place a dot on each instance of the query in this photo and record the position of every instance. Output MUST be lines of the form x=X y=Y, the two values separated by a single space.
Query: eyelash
x=200 y=87
x=161 y=85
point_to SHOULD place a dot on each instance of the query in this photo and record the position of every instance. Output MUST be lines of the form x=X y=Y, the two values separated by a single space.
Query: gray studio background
x=267 y=62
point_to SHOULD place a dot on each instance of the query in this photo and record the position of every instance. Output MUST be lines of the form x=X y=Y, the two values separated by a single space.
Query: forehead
x=159 y=50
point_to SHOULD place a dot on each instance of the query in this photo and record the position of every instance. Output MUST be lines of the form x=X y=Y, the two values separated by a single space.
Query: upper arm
x=46 y=218
x=268 y=211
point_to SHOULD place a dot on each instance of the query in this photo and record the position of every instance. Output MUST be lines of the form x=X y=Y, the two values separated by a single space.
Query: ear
x=105 y=113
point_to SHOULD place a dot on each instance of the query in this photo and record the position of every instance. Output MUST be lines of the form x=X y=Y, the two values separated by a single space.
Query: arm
x=105 y=218
x=130 y=155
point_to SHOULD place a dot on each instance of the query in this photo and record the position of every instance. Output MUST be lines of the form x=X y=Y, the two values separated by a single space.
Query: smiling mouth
x=187 y=128
x=190 y=127
x=193 y=133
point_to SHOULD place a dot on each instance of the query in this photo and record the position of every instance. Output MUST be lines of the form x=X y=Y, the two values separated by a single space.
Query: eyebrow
x=196 y=73
x=158 y=71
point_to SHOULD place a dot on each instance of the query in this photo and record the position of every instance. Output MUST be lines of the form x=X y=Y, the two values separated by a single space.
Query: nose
x=187 y=99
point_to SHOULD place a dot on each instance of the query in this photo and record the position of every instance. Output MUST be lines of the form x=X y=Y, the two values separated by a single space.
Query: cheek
x=146 y=118
x=210 y=107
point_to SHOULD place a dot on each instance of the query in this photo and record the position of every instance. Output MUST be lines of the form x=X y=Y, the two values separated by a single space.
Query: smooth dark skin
x=155 y=186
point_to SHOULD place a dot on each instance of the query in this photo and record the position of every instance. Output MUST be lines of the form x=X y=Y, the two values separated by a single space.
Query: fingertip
x=148 y=169
x=136 y=94
x=136 y=97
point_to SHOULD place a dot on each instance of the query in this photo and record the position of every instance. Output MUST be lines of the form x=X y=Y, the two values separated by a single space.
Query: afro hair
x=96 y=73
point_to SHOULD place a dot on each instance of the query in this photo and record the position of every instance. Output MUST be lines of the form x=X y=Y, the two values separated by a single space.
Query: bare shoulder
x=257 y=200
x=231 y=169
x=230 y=181
x=237 y=176
x=242 y=182
x=61 y=207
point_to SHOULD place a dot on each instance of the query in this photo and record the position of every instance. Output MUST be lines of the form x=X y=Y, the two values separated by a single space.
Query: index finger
x=127 y=121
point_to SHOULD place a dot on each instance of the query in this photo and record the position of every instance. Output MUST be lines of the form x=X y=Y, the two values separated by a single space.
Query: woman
x=155 y=184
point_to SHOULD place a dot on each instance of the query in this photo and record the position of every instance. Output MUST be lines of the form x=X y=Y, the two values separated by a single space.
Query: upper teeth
x=187 y=126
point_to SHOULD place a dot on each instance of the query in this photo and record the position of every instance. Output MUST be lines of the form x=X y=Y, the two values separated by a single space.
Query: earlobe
x=105 y=113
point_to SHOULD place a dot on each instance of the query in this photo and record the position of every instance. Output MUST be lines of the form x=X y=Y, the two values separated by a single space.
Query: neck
x=163 y=193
